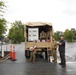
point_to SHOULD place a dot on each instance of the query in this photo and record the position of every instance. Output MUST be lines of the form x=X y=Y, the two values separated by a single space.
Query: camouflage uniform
x=54 y=51
x=49 y=53
x=48 y=35
x=32 y=55
x=42 y=35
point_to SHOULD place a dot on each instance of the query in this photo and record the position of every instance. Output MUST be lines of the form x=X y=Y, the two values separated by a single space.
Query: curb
x=4 y=58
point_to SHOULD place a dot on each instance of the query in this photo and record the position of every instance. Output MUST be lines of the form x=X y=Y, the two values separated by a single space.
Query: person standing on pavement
x=54 y=50
x=62 y=51
x=32 y=55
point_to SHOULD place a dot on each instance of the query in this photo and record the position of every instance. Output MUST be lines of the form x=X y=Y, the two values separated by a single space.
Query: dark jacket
x=62 y=47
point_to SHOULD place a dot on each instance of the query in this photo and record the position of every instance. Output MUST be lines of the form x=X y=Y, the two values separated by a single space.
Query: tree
x=69 y=35
x=57 y=35
x=2 y=20
x=2 y=6
x=16 y=33
x=2 y=26
x=74 y=31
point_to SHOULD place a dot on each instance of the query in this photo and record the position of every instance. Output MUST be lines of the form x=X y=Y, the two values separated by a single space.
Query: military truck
x=32 y=32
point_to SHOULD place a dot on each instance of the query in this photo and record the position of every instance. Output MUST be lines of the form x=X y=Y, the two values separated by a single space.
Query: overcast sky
x=61 y=13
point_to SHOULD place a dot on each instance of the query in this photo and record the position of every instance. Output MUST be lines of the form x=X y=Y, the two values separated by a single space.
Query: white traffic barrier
x=2 y=51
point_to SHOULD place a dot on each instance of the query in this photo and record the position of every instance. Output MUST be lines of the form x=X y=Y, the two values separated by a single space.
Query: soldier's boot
x=55 y=61
x=30 y=60
x=52 y=60
x=33 y=61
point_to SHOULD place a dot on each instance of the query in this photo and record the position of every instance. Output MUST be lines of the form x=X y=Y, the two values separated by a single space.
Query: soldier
x=33 y=52
x=42 y=35
x=47 y=35
x=54 y=50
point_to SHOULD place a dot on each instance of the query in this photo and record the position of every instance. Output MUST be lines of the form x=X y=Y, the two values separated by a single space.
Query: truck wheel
x=27 y=53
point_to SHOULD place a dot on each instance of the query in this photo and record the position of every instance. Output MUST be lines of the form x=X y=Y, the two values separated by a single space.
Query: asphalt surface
x=40 y=67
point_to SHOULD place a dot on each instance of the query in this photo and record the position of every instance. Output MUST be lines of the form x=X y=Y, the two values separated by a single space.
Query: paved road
x=41 y=67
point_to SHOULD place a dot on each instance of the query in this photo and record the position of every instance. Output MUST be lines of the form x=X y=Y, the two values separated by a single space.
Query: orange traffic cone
x=13 y=54
x=10 y=52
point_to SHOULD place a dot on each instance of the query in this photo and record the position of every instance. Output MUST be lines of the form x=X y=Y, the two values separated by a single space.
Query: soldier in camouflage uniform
x=42 y=35
x=32 y=56
x=54 y=50
x=33 y=53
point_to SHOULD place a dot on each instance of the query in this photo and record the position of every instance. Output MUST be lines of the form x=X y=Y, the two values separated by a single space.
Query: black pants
x=62 y=56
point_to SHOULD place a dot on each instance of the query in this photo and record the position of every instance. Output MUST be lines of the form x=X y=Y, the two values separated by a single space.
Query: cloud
x=58 y=12
x=70 y=12
x=70 y=7
x=34 y=9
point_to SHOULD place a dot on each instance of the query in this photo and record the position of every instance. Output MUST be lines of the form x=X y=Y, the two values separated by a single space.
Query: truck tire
x=27 y=53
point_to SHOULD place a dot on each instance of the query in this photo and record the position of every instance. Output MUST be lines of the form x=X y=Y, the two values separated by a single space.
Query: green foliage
x=57 y=35
x=69 y=35
x=2 y=26
x=74 y=31
x=16 y=33
x=2 y=5
x=2 y=20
